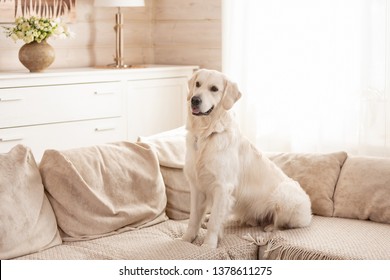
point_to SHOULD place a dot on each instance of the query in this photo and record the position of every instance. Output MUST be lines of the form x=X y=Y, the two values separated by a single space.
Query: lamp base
x=114 y=66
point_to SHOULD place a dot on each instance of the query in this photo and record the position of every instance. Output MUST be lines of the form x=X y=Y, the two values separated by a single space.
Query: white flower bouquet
x=37 y=29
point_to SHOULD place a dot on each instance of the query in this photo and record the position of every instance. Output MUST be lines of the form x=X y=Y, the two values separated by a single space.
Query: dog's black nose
x=196 y=101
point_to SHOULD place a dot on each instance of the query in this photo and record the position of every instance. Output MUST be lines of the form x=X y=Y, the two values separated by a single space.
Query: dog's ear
x=230 y=95
x=191 y=84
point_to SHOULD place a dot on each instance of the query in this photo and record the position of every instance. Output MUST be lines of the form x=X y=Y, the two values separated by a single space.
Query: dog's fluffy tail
x=292 y=208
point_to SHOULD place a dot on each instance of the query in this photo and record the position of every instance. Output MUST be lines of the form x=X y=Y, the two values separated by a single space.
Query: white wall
x=162 y=32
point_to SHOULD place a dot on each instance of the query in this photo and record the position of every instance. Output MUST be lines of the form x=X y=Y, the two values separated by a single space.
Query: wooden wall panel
x=199 y=34
x=188 y=9
x=163 y=32
x=205 y=58
x=188 y=32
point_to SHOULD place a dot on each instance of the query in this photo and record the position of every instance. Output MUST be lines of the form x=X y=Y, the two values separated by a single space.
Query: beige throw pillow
x=363 y=190
x=317 y=174
x=27 y=221
x=171 y=149
x=102 y=190
x=178 y=193
x=170 y=146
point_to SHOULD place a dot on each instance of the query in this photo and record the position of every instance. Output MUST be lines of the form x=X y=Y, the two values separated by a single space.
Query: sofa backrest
x=317 y=175
x=363 y=189
x=337 y=184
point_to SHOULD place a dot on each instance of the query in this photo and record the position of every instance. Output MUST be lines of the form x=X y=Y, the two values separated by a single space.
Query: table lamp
x=119 y=59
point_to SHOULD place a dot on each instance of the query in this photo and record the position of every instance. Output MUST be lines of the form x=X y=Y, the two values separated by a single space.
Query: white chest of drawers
x=63 y=109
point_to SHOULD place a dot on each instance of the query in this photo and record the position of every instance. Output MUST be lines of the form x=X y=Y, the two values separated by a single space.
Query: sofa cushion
x=363 y=189
x=102 y=190
x=171 y=148
x=328 y=238
x=317 y=174
x=27 y=221
x=158 y=242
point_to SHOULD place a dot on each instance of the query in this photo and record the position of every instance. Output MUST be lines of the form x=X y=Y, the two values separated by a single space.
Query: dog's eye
x=197 y=84
x=214 y=89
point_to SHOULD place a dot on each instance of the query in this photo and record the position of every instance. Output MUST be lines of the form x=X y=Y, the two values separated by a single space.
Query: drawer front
x=49 y=104
x=63 y=135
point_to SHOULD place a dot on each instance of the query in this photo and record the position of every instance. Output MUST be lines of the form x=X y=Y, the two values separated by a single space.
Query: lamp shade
x=119 y=3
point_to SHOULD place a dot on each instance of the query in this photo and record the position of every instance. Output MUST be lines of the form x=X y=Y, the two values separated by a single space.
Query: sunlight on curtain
x=312 y=73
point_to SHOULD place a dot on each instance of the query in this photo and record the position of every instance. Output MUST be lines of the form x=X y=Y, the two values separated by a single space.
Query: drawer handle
x=103 y=92
x=11 y=138
x=104 y=128
x=10 y=99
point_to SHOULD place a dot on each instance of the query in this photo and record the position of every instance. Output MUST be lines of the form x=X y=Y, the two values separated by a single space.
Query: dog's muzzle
x=196 y=101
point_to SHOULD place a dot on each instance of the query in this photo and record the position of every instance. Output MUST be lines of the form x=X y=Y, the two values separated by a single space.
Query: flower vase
x=36 y=57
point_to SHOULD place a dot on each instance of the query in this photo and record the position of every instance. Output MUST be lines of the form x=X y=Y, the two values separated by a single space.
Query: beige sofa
x=131 y=201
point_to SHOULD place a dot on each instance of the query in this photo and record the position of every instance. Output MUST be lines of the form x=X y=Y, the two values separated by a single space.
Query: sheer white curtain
x=314 y=73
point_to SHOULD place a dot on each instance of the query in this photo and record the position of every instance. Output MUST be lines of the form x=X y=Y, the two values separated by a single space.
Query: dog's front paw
x=210 y=246
x=210 y=242
x=188 y=237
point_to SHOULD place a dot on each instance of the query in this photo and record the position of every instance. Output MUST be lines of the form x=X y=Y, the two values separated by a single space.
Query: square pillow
x=316 y=173
x=170 y=147
x=27 y=221
x=102 y=190
x=178 y=193
x=363 y=189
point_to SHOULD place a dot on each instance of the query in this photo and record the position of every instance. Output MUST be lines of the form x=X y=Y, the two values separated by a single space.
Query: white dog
x=227 y=173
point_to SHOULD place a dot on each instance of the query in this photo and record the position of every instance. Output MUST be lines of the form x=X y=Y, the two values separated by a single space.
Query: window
x=314 y=74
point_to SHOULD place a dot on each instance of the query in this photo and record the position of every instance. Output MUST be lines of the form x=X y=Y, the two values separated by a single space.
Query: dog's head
x=210 y=90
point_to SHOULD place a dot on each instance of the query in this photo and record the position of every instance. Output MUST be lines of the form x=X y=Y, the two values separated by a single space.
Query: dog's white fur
x=227 y=173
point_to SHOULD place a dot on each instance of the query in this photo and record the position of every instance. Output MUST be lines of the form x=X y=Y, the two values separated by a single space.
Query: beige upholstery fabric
x=363 y=190
x=178 y=193
x=155 y=242
x=171 y=149
x=102 y=190
x=330 y=238
x=326 y=238
x=317 y=174
x=27 y=221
